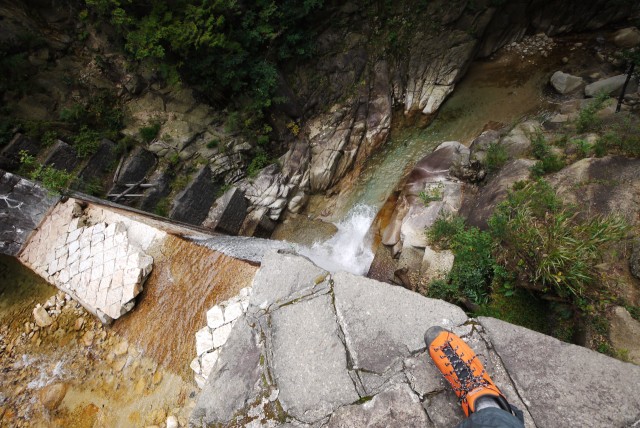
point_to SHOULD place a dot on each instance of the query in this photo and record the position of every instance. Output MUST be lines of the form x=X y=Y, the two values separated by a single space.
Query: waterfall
x=350 y=248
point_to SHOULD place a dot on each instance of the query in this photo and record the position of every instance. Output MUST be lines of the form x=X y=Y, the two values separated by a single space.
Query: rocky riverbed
x=60 y=367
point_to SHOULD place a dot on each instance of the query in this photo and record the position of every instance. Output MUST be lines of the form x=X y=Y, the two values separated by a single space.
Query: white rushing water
x=350 y=248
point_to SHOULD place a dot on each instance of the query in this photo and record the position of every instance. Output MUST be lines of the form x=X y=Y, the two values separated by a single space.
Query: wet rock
x=52 y=395
x=41 y=317
x=193 y=204
x=228 y=212
x=627 y=37
x=565 y=83
x=102 y=163
x=611 y=86
x=62 y=156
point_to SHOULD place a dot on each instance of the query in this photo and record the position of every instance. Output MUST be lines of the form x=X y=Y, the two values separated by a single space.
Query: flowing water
x=497 y=93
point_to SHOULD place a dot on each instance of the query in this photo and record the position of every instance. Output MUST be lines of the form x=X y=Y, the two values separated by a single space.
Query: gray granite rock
x=228 y=212
x=136 y=167
x=193 y=203
x=565 y=83
x=234 y=379
x=610 y=86
x=282 y=276
x=563 y=384
x=382 y=322
x=309 y=360
x=10 y=155
x=102 y=163
x=397 y=406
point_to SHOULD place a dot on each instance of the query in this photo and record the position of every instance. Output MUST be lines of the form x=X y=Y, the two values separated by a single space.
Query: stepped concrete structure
x=304 y=347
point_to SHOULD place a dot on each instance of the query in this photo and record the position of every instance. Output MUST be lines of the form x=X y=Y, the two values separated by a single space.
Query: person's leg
x=480 y=398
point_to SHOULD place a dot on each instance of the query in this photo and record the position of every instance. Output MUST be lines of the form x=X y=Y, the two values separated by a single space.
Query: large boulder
x=610 y=86
x=518 y=141
x=102 y=163
x=624 y=333
x=627 y=37
x=565 y=83
x=10 y=155
x=478 y=207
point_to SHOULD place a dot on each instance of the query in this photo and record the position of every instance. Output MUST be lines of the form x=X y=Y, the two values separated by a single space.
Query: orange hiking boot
x=461 y=367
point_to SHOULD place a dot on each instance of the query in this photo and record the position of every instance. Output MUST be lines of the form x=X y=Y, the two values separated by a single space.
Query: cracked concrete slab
x=396 y=406
x=234 y=379
x=282 y=276
x=382 y=322
x=563 y=384
x=309 y=362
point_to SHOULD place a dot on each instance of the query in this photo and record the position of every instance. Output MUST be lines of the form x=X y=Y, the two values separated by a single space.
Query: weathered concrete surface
x=307 y=351
x=23 y=205
x=233 y=378
x=345 y=351
x=382 y=323
x=563 y=384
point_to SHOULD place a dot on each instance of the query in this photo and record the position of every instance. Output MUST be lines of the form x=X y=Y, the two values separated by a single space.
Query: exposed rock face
x=227 y=213
x=23 y=205
x=608 y=185
x=10 y=155
x=566 y=83
x=102 y=162
x=478 y=208
x=624 y=333
x=137 y=166
x=62 y=156
x=546 y=372
x=312 y=345
x=634 y=260
x=193 y=203
x=518 y=141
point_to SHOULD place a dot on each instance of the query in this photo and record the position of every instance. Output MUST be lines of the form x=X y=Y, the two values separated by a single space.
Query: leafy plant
x=496 y=157
x=433 y=192
x=545 y=243
x=547 y=160
x=148 y=133
x=259 y=161
x=55 y=180
x=86 y=142
x=587 y=118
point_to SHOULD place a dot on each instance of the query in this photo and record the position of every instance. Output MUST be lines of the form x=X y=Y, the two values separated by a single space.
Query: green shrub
x=473 y=267
x=496 y=157
x=55 y=180
x=547 y=160
x=148 y=133
x=259 y=161
x=433 y=192
x=86 y=142
x=545 y=243
x=587 y=118
x=213 y=144
x=163 y=207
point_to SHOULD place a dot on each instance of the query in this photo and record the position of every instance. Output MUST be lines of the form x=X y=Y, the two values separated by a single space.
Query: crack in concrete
x=490 y=347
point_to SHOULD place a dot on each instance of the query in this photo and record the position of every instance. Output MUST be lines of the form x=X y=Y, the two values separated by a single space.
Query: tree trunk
x=624 y=87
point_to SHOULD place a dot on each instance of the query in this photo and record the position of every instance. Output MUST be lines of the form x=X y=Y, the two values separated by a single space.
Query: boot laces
x=462 y=370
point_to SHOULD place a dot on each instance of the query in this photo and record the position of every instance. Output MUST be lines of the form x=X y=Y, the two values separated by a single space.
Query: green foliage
x=473 y=268
x=519 y=307
x=226 y=49
x=86 y=142
x=582 y=147
x=213 y=144
x=433 y=192
x=55 y=180
x=621 y=136
x=496 y=157
x=148 y=133
x=260 y=160
x=547 y=160
x=587 y=118
x=162 y=207
x=545 y=243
